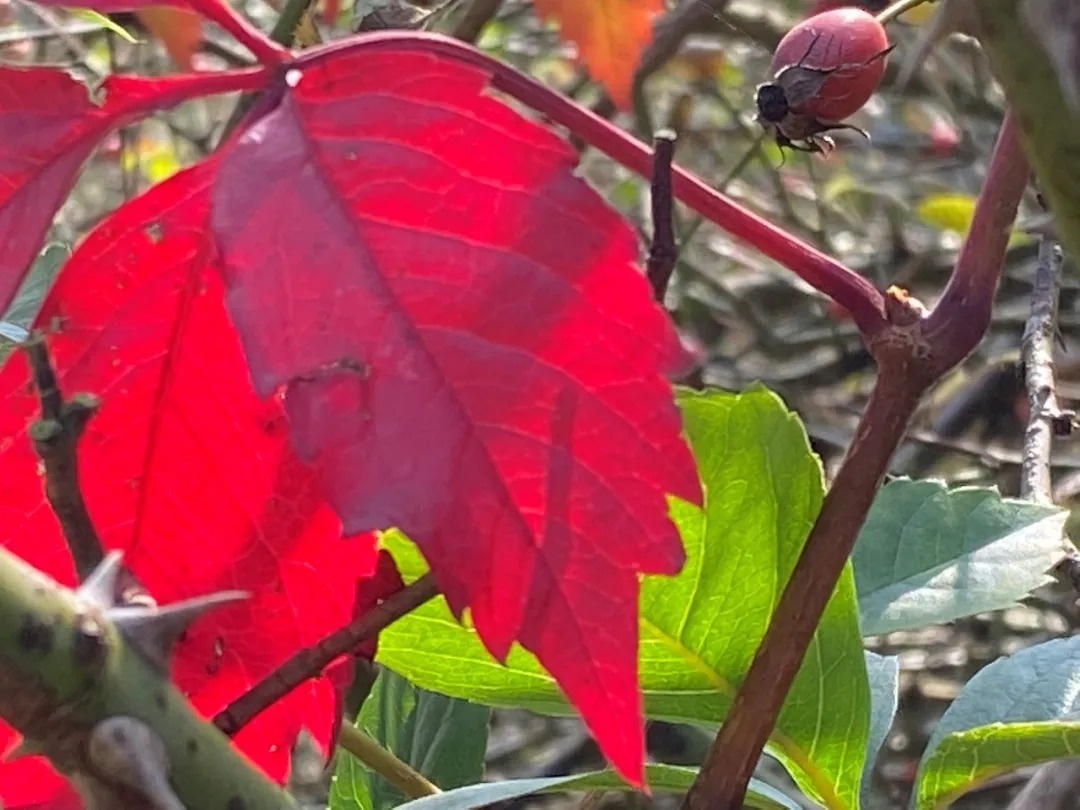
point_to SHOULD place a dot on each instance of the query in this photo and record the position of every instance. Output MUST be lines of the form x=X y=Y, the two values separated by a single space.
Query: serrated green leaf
x=661 y=777
x=1017 y=711
x=699 y=630
x=927 y=554
x=441 y=737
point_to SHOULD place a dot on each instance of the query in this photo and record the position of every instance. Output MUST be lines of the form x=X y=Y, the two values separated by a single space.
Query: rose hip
x=824 y=69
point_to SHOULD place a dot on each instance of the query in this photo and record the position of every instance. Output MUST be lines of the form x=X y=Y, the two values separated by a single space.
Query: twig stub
x=56 y=437
x=310 y=661
x=663 y=251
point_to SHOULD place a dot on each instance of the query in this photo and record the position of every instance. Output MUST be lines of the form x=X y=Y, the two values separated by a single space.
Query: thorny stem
x=853 y=292
x=401 y=775
x=1045 y=417
x=912 y=354
x=310 y=661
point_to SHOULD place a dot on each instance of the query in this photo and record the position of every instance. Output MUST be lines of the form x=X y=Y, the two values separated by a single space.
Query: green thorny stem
x=69 y=670
x=912 y=354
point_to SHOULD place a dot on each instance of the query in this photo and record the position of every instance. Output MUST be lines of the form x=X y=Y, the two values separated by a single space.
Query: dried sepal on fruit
x=824 y=70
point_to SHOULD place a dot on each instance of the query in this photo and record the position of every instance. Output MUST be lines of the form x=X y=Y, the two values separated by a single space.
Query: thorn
x=154 y=631
x=128 y=751
x=100 y=587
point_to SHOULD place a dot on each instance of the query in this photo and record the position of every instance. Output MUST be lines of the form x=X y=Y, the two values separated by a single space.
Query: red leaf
x=185 y=467
x=610 y=36
x=32 y=784
x=49 y=125
x=467 y=352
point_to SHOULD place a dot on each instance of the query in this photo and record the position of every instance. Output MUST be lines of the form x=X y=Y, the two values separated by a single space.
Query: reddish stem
x=857 y=295
x=261 y=46
x=962 y=314
x=165 y=92
x=912 y=354
x=722 y=782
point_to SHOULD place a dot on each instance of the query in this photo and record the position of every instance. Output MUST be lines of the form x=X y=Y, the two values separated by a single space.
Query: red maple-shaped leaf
x=185 y=468
x=49 y=124
x=467 y=352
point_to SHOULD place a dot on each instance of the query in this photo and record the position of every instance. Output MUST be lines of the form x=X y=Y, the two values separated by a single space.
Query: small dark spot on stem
x=35 y=636
x=89 y=643
x=1063 y=423
x=235 y=803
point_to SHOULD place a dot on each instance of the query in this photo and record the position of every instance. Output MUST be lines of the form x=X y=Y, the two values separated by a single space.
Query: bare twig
x=1045 y=417
x=383 y=761
x=75 y=28
x=663 y=252
x=61 y=30
x=475 y=18
x=310 y=661
x=56 y=438
x=1053 y=785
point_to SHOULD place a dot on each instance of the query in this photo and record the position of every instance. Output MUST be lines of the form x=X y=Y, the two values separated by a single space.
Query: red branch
x=857 y=295
x=261 y=46
x=962 y=315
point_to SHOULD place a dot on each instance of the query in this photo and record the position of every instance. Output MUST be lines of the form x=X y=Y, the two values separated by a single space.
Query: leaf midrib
x=722 y=685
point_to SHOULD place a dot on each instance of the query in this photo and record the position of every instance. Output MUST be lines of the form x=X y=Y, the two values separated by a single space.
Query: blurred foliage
x=894 y=208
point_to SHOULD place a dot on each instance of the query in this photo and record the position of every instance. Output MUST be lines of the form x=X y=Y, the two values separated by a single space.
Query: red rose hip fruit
x=841 y=56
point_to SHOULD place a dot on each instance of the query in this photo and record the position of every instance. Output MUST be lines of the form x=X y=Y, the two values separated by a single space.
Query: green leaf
x=661 y=777
x=441 y=737
x=699 y=630
x=927 y=554
x=32 y=292
x=1017 y=711
x=96 y=18
x=883 y=673
x=953 y=211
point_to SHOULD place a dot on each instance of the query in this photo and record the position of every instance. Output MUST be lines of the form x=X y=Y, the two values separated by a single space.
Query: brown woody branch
x=56 y=437
x=912 y=352
x=310 y=661
x=663 y=253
